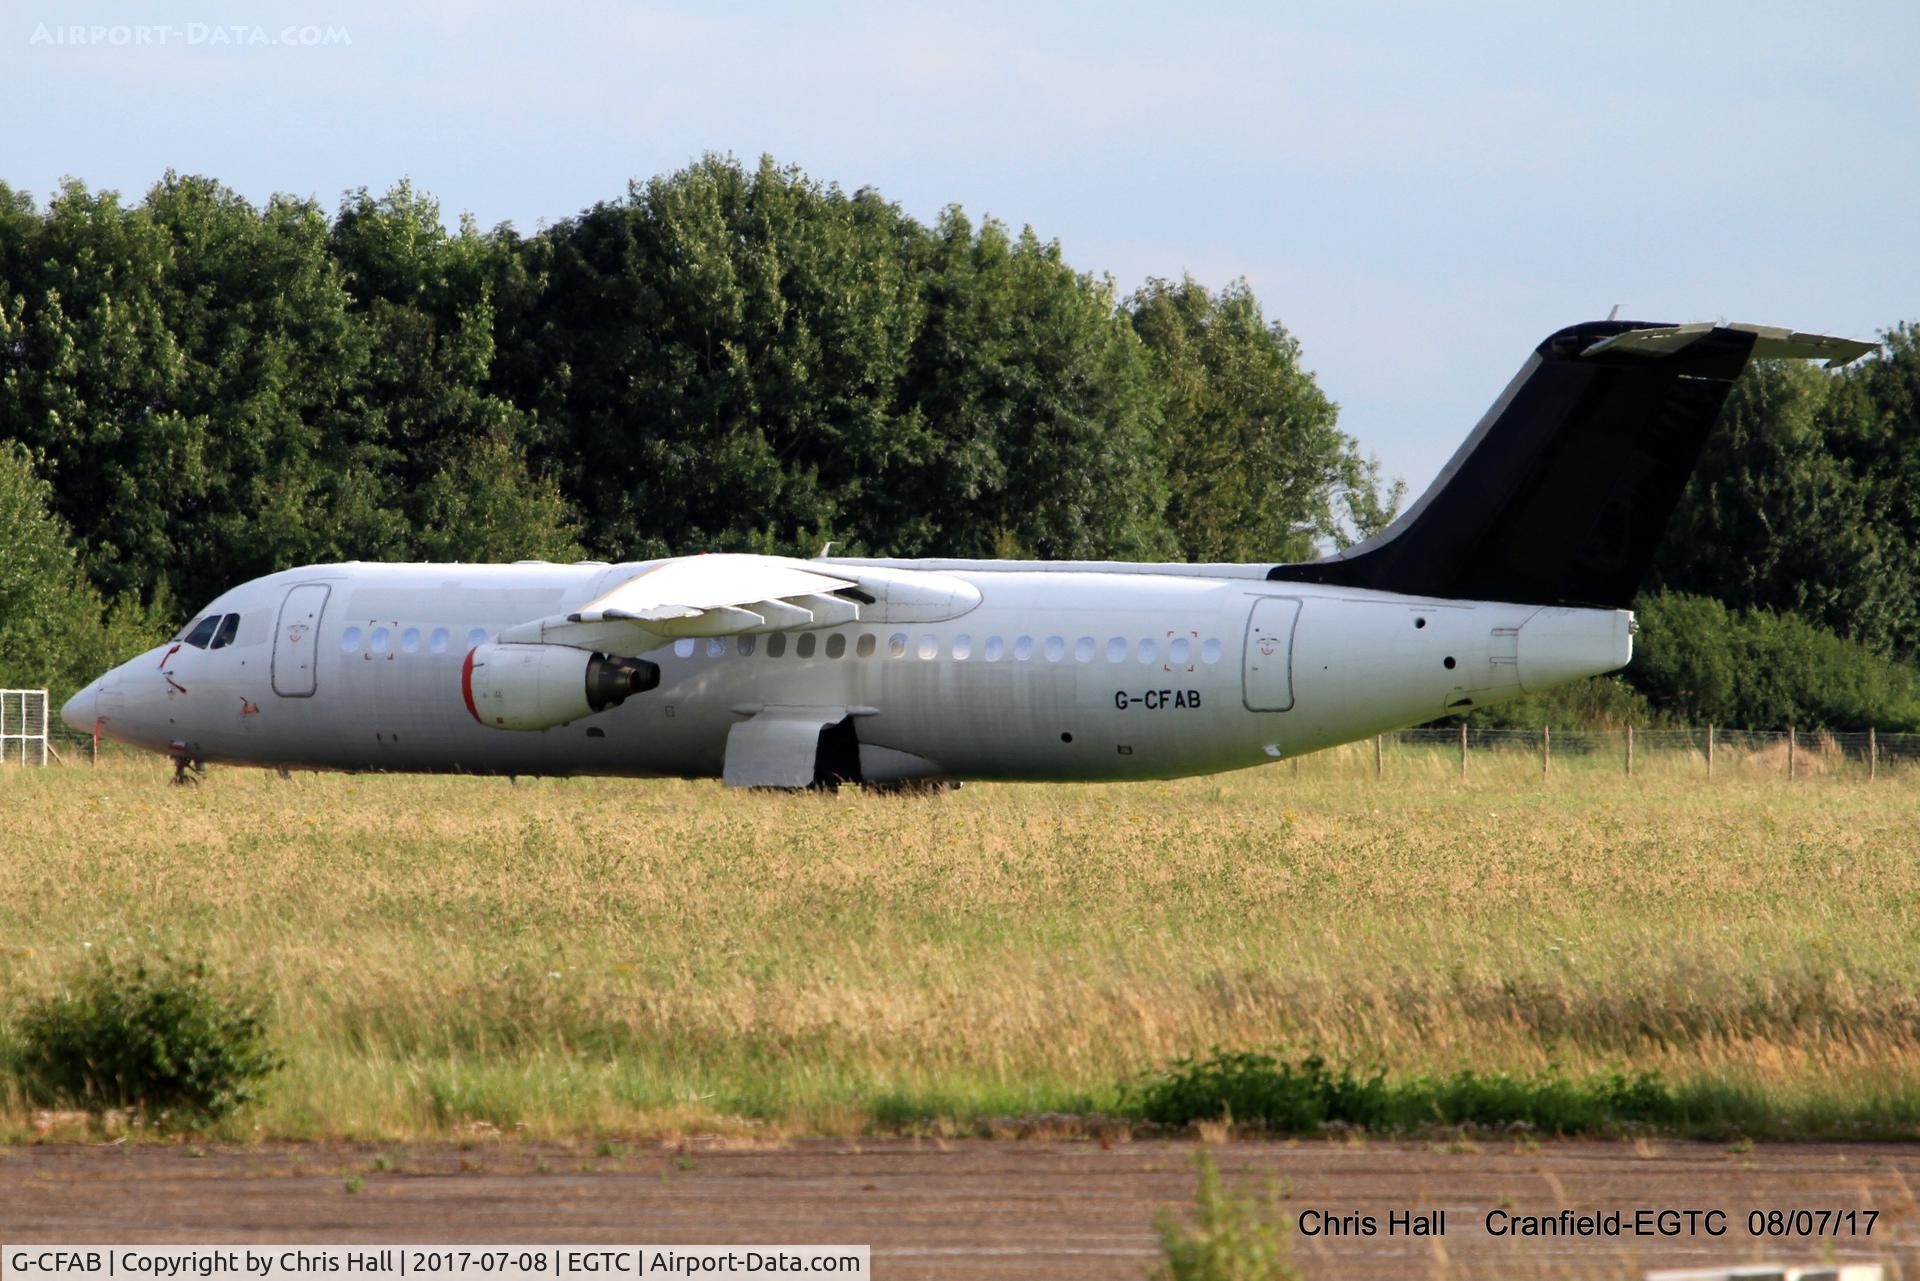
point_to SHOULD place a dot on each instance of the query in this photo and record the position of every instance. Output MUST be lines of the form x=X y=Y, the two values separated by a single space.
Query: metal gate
x=1267 y=670
x=296 y=640
x=23 y=726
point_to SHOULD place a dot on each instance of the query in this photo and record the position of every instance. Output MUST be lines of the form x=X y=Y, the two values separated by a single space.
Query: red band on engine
x=466 y=683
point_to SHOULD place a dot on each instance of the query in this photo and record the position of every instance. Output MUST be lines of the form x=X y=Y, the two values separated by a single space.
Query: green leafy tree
x=295 y=466
x=1257 y=466
x=713 y=361
x=485 y=506
x=92 y=374
x=55 y=632
x=424 y=300
x=1041 y=405
x=1805 y=500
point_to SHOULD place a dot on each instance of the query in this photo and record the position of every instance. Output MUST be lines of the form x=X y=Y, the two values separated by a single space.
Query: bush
x=1705 y=663
x=1597 y=703
x=164 y=1041
x=1235 y=1239
x=1254 y=1087
x=1299 y=1098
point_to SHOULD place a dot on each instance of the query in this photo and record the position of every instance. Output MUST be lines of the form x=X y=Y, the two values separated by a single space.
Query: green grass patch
x=601 y=958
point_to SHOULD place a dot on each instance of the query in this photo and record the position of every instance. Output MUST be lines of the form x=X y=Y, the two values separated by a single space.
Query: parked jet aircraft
x=1511 y=573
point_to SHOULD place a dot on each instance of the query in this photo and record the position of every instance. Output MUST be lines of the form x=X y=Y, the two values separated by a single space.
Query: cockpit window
x=224 y=637
x=202 y=631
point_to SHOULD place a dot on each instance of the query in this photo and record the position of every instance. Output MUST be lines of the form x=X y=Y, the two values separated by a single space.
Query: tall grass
x=600 y=956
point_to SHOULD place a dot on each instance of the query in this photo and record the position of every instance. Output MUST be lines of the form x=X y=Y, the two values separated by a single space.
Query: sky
x=1419 y=195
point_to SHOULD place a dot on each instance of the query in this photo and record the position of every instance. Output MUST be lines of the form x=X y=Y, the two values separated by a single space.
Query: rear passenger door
x=1268 y=673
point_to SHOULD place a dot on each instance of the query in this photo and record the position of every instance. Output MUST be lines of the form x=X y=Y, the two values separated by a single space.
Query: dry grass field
x=597 y=957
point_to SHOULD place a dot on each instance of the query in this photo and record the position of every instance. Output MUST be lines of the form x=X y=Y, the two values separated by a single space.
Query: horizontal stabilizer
x=1770 y=343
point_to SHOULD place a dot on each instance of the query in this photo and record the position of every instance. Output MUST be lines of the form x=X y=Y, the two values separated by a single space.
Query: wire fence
x=1707 y=751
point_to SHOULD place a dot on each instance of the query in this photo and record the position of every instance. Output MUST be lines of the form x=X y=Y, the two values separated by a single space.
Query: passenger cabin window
x=776 y=644
x=866 y=646
x=995 y=647
x=836 y=646
x=202 y=632
x=803 y=648
x=684 y=647
x=224 y=637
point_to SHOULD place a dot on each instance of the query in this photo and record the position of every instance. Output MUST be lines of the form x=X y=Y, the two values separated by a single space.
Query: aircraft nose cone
x=80 y=711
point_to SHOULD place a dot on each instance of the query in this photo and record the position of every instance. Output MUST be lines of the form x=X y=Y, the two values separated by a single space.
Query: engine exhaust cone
x=611 y=680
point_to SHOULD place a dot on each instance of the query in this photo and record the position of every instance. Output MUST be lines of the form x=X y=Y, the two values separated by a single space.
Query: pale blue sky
x=1419 y=196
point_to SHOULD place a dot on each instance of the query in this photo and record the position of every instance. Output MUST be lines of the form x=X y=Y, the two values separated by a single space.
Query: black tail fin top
x=1562 y=491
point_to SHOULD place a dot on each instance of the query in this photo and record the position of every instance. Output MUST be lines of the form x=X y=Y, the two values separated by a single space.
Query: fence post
x=1709 y=751
x=1789 y=751
x=1378 y=770
x=1629 y=750
x=1463 y=749
x=93 y=757
x=1546 y=750
x=1873 y=753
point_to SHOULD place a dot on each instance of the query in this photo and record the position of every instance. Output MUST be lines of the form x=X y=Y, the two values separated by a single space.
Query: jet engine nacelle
x=531 y=687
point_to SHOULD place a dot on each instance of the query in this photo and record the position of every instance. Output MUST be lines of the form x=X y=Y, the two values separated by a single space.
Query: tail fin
x=1563 y=490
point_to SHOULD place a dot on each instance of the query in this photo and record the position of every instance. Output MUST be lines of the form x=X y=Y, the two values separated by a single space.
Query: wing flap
x=721 y=595
x=701 y=583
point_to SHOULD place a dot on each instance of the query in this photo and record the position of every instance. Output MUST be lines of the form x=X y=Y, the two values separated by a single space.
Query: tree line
x=195 y=390
x=729 y=358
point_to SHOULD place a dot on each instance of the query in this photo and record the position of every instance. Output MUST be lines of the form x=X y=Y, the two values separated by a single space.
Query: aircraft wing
x=721 y=595
x=717 y=595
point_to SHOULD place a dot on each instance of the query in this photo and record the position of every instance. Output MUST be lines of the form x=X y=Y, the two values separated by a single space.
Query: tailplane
x=1561 y=493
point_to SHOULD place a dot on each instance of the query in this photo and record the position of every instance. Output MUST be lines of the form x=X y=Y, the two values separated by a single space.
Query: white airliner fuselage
x=774 y=672
x=1061 y=674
